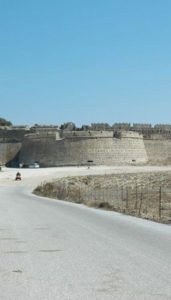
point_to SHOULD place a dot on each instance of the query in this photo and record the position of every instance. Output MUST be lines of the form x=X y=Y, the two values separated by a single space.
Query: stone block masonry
x=118 y=144
x=84 y=149
x=11 y=139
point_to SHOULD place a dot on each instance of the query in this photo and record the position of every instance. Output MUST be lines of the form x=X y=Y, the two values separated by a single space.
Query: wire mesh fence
x=147 y=202
x=151 y=201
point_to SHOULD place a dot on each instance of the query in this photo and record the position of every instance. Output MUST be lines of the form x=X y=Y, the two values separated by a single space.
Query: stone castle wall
x=158 y=150
x=9 y=152
x=84 y=148
x=110 y=145
x=11 y=139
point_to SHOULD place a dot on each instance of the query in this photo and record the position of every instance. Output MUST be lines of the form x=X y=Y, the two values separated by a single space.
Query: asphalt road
x=50 y=249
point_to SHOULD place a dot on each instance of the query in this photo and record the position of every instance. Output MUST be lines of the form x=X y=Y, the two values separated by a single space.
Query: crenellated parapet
x=100 y=127
x=121 y=126
x=139 y=126
x=164 y=127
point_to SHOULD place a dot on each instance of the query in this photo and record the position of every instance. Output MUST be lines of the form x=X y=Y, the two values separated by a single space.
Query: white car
x=34 y=165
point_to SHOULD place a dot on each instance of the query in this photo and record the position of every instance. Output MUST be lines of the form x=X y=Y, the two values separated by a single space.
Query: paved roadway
x=52 y=250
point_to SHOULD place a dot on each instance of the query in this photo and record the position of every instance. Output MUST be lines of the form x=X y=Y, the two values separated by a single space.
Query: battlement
x=138 y=126
x=100 y=127
x=164 y=127
x=146 y=129
x=121 y=126
x=17 y=133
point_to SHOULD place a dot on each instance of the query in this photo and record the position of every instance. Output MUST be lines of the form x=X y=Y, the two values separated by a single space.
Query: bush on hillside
x=4 y=122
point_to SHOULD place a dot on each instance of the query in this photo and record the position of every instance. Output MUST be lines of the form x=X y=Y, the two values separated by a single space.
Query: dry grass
x=135 y=194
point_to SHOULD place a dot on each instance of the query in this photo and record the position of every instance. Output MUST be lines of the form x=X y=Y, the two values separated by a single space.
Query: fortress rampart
x=98 y=144
x=82 y=148
x=11 y=139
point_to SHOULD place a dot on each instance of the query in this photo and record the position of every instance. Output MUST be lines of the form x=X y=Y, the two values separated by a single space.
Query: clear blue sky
x=85 y=61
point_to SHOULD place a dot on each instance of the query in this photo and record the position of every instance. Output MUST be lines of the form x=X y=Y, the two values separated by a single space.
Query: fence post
x=140 y=203
x=146 y=203
x=136 y=195
x=127 y=195
x=110 y=196
x=160 y=198
x=79 y=195
x=118 y=197
x=122 y=198
x=113 y=197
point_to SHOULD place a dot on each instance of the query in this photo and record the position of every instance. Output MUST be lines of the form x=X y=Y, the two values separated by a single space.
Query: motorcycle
x=18 y=176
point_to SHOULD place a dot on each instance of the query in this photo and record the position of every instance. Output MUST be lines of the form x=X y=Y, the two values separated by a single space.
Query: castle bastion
x=98 y=144
x=66 y=148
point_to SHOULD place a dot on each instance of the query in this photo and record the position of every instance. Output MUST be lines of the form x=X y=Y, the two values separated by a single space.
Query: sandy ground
x=53 y=249
x=33 y=177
